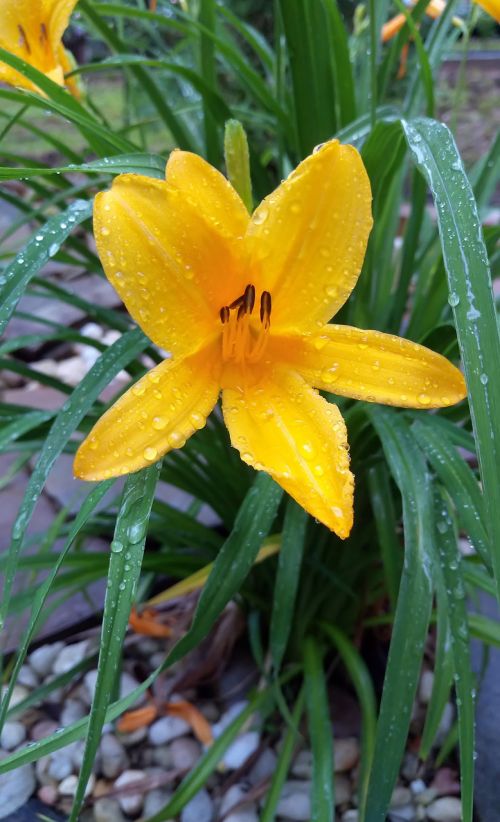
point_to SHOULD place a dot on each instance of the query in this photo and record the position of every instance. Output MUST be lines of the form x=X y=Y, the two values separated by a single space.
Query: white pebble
x=445 y=809
x=233 y=796
x=72 y=711
x=425 y=687
x=343 y=789
x=13 y=734
x=185 y=753
x=19 y=693
x=107 y=809
x=16 y=788
x=130 y=803
x=27 y=677
x=154 y=801
x=227 y=717
x=127 y=685
x=400 y=796
x=198 y=809
x=239 y=750
x=264 y=767
x=70 y=656
x=295 y=800
x=43 y=658
x=346 y=754
x=166 y=729
x=60 y=765
x=114 y=757
x=68 y=786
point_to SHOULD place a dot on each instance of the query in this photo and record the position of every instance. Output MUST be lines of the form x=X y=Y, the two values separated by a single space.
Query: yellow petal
x=157 y=414
x=372 y=366
x=492 y=7
x=208 y=191
x=307 y=240
x=57 y=14
x=281 y=425
x=164 y=259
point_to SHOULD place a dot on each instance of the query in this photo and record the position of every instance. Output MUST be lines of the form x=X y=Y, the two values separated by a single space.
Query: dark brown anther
x=236 y=303
x=23 y=40
x=43 y=34
x=224 y=314
x=265 y=309
x=249 y=298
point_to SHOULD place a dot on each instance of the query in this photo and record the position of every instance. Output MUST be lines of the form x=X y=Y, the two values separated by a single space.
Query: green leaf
x=127 y=550
x=234 y=561
x=384 y=513
x=73 y=411
x=36 y=253
x=40 y=595
x=285 y=754
x=287 y=580
x=361 y=679
x=466 y=262
x=458 y=479
x=413 y=609
x=150 y=165
x=321 y=733
x=449 y=555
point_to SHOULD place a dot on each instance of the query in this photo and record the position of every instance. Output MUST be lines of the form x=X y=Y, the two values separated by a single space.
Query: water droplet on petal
x=150 y=454
x=159 y=423
x=424 y=399
x=260 y=215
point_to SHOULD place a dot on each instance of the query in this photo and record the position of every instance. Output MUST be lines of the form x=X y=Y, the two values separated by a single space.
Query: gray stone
x=350 y=816
x=239 y=750
x=406 y=813
x=446 y=722
x=227 y=717
x=107 y=809
x=127 y=685
x=343 y=790
x=264 y=767
x=425 y=687
x=445 y=809
x=166 y=729
x=13 y=734
x=409 y=768
x=233 y=796
x=346 y=754
x=302 y=765
x=154 y=801
x=130 y=803
x=72 y=711
x=134 y=737
x=199 y=809
x=162 y=756
x=68 y=786
x=417 y=787
x=48 y=794
x=16 y=788
x=44 y=728
x=114 y=757
x=19 y=693
x=70 y=656
x=400 y=796
x=295 y=800
x=60 y=765
x=185 y=753
x=27 y=677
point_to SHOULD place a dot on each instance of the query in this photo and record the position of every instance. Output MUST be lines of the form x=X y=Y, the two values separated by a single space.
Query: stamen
x=249 y=298
x=23 y=40
x=236 y=303
x=43 y=35
x=224 y=314
x=265 y=309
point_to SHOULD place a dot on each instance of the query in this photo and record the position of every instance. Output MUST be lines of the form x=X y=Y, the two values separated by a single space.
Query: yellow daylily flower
x=33 y=31
x=242 y=303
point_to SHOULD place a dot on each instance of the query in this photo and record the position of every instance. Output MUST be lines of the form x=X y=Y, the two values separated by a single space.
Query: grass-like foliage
x=176 y=77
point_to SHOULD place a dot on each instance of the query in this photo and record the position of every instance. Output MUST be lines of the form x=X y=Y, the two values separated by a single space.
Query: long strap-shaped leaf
x=320 y=730
x=233 y=563
x=73 y=411
x=125 y=563
x=36 y=253
x=466 y=262
x=413 y=609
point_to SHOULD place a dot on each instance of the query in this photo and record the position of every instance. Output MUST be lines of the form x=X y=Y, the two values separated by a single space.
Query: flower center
x=244 y=339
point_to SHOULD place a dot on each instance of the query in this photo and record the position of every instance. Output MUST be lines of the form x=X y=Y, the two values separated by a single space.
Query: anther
x=249 y=298
x=265 y=309
x=224 y=314
x=236 y=303
x=23 y=40
x=43 y=34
